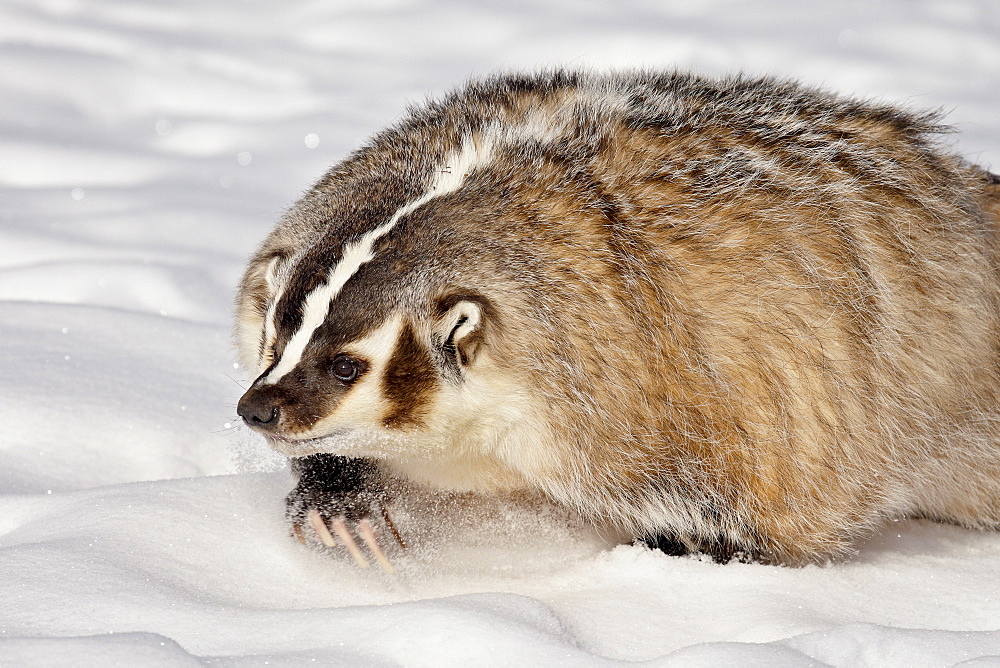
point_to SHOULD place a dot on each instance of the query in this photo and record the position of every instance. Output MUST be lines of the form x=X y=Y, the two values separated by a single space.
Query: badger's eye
x=345 y=368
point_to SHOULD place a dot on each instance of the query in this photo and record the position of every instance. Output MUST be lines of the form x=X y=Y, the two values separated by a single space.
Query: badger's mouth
x=294 y=448
x=338 y=442
x=299 y=447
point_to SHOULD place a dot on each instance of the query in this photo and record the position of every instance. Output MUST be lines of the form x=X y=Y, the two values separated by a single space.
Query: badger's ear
x=271 y=271
x=460 y=328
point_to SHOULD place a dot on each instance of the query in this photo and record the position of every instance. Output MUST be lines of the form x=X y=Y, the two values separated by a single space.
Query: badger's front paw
x=339 y=518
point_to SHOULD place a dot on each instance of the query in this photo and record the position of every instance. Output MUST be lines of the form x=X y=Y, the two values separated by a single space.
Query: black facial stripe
x=309 y=273
x=409 y=381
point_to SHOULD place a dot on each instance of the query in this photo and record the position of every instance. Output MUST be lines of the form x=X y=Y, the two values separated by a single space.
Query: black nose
x=258 y=411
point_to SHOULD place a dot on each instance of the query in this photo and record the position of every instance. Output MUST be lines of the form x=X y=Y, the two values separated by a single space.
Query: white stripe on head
x=276 y=286
x=475 y=151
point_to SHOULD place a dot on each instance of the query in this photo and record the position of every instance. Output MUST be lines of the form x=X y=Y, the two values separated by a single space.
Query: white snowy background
x=145 y=149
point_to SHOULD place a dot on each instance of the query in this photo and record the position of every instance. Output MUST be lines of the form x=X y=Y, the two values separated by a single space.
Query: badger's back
x=742 y=314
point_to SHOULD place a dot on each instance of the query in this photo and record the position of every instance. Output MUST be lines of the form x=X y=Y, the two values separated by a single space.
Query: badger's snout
x=259 y=411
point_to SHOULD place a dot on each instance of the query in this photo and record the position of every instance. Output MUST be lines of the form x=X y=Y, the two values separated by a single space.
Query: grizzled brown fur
x=736 y=315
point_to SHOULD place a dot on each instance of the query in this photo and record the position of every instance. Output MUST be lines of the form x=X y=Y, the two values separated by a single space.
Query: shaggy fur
x=735 y=316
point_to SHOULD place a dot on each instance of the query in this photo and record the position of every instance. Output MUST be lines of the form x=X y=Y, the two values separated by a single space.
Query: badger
x=731 y=316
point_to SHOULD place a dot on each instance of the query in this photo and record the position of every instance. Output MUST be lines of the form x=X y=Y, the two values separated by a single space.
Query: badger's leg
x=667 y=543
x=721 y=549
x=339 y=496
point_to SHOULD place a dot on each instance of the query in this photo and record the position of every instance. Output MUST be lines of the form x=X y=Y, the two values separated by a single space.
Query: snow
x=147 y=147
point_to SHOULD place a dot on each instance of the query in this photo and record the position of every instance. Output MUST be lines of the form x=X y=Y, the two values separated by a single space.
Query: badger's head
x=353 y=361
x=367 y=339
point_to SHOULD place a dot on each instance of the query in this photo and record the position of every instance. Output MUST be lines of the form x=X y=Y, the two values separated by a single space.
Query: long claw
x=340 y=528
x=392 y=528
x=368 y=535
x=319 y=526
x=297 y=530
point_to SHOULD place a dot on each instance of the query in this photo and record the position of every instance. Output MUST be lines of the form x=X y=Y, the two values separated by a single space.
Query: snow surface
x=145 y=149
